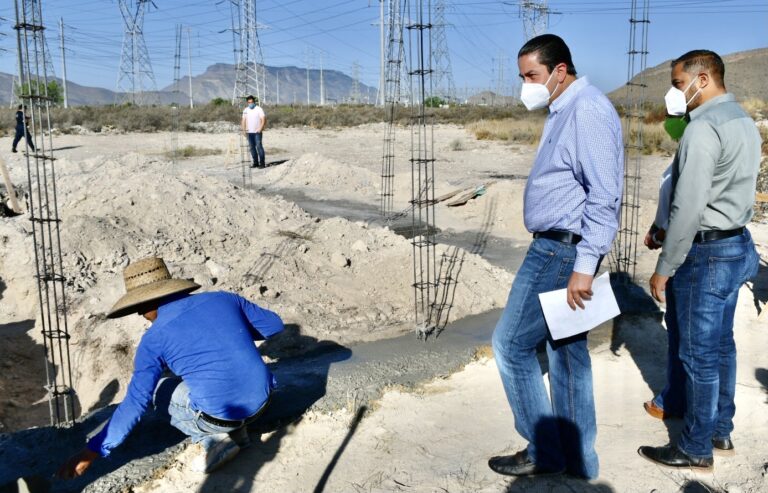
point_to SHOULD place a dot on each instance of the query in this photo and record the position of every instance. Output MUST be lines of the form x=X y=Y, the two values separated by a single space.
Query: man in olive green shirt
x=707 y=253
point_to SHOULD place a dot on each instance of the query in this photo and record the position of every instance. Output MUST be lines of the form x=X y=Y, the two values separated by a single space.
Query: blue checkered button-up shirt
x=577 y=179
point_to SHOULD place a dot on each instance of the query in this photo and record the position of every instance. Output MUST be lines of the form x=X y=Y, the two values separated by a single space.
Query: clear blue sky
x=478 y=32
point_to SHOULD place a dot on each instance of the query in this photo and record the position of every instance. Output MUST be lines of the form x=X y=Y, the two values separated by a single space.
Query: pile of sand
x=325 y=177
x=334 y=279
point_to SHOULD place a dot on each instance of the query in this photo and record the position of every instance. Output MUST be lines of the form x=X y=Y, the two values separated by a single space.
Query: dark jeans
x=19 y=135
x=701 y=367
x=257 y=150
x=560 y=432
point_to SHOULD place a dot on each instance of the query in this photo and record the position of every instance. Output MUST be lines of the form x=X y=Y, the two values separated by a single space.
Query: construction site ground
x=363 y=405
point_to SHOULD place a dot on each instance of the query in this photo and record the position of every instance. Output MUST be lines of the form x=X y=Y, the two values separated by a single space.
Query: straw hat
x=146 y=280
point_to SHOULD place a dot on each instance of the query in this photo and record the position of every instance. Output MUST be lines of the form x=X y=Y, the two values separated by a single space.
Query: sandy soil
x=347 y=281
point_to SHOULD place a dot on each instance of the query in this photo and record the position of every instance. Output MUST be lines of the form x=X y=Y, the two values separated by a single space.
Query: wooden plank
x=15 y=207
x=470 y=194
x=761 y=197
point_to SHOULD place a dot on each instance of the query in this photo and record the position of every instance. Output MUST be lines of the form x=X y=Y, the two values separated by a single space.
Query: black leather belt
x=226 y=423
x=714 y=234
x=561 y=236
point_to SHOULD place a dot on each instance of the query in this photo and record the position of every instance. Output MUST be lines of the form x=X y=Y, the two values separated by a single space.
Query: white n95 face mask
x=536 y=96
x=677 y=104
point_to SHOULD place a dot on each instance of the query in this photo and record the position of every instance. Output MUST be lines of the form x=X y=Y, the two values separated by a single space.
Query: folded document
x=564 y=322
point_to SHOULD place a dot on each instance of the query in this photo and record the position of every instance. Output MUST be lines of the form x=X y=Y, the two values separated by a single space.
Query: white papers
x=564 y=322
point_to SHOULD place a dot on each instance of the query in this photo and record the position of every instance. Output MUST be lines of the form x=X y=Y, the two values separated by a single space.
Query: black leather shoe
x=518 y=465
x=671 y=456
x=723 y=446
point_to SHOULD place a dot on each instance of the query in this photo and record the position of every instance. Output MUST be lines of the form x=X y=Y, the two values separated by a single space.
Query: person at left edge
x=572 y=205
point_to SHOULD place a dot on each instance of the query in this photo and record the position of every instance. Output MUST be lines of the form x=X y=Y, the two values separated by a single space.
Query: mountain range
x=745 y=77
x=218 y=81
x=745 y=73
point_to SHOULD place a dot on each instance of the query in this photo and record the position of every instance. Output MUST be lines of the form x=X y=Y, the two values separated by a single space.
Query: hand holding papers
x=564 y=322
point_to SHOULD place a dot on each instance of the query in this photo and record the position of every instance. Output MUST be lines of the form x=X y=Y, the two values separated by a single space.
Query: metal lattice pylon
x=249 y=66
x=44 y=211
x=136 y=80
x=535 y=16
x=624 y=254
x=175 y=117
x=442 y=73
x=394 y=70
x=355 y=97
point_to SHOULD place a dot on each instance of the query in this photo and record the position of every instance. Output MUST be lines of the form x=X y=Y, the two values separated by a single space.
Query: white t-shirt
x=253 y=118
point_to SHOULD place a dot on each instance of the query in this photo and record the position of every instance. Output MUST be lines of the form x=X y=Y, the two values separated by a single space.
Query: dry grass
x=757 y=108
x=514 y=130
x=129 y=118
x=656 y=140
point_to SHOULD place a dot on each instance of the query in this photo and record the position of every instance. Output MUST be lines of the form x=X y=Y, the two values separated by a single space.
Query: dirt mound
x=332 y=278
x=323 y=175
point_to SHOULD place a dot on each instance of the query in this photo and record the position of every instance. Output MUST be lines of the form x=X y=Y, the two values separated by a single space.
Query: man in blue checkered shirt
x=572 y=207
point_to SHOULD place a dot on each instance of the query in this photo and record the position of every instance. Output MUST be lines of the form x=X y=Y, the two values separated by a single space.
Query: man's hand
x=654 y=238
x=658 y=285
x=579 y=289
x=77 y=464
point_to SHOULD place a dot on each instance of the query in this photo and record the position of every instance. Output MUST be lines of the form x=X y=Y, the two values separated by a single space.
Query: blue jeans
x=172 y=396
x=704 y=291
x=257 y=150
x=672 y=398
x=561 y=432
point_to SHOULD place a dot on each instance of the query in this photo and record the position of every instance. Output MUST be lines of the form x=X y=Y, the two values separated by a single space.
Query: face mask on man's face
x=536 y=96
x=251 y=105
x=677 y=103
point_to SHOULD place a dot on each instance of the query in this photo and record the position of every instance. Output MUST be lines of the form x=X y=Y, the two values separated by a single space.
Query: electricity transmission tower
x=356 y=97
x=136 y=80
x=624 y=253
x=249 y=59
x=44 y=210
x=442 y=73
x=176 y=95
x=394 y=70
x=535 y=16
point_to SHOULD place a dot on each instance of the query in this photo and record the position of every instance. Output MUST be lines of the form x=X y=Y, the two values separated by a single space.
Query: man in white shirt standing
x=253 y=124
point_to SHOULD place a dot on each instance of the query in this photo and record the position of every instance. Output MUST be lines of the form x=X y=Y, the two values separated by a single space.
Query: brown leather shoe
x=657 y=412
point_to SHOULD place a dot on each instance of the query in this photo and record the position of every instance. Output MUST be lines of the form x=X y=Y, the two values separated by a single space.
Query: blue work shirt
x=577 y=178
x=207 y=339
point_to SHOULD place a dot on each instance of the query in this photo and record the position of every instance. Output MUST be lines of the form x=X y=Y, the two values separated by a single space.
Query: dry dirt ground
x=346 y=280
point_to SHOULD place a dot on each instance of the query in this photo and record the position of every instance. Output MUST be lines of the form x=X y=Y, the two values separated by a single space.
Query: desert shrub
x=456 y=145
x=757 y=108
x=194 y=151
x=509 y=129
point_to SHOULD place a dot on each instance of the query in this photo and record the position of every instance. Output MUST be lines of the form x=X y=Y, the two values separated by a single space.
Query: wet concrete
x=500 y=252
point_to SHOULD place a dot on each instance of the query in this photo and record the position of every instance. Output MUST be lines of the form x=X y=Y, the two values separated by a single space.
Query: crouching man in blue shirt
x=207 y=341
